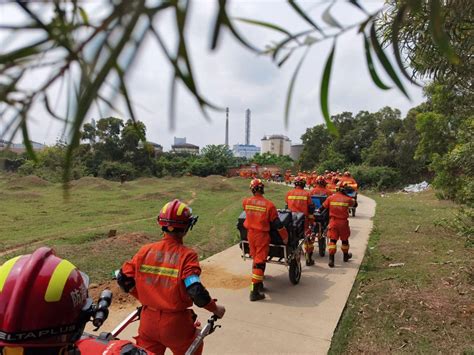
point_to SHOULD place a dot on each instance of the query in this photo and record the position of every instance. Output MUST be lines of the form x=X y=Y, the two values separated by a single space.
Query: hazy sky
x=236 y=78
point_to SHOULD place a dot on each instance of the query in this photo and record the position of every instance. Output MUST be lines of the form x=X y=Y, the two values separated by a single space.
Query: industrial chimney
x=227 y=127
x=247 y=127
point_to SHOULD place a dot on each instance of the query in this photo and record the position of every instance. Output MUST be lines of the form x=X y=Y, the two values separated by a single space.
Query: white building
x=276 y=144
x=245 y=150
x=179 y=141
x=296 y=150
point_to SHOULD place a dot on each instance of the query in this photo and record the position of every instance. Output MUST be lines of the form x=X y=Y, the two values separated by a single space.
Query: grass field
x=424 y=306
x=34 y=213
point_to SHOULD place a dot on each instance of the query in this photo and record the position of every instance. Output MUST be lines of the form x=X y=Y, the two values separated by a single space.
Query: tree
x=315 y=140
x=89 y=54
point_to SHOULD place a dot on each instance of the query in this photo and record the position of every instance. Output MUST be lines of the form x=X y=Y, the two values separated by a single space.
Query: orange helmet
x=346 y=173
x=344 y=187
x=300 y=181
x=176 y=215
x=257 y=185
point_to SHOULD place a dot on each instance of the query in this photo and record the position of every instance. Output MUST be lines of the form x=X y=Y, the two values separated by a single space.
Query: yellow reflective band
x=255 y=208
x=181 y=209
x=344 y=247
x=305 y=198
x=165 y=207
x=343 y=204
x=5 y=270
x=159 y=270
x=332 y=246
x=257 y=277
x=13 y=351
x=58 y=281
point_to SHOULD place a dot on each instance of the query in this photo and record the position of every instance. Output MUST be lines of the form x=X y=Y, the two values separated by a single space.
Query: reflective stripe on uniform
x=159 y=270
x=257 y=277
x=332 y=246
x=255 y=208
x=305 y=198
x=344 y=204
x=5 y=270
x=58 y=281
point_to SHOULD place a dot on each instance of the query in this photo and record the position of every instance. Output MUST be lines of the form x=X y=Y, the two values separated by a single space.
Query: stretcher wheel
x=295 y=271
x=322 y=246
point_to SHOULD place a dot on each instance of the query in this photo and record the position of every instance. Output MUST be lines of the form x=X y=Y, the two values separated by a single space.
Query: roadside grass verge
x=425 y=305
x=78 y=228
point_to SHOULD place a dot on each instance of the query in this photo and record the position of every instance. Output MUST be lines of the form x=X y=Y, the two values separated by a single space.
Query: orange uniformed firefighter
x=165 y=277
x=299 y=200
x=349 y=180
x=261 y=214
x=338 y=205
x=320 y=187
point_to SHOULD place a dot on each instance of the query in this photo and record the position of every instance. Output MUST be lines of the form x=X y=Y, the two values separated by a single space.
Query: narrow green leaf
x=285 y=58
x=324 y=94
x=83 y=13
x=263 y=24
x=384 y=60
x=304 y=15
x=26 y=138
x=219 y=21
x=329 y=19
x=395 y=44
x=286 y=41
x=440 y=38
x=289 y=94
x=370 y=65
x=89 y=91
x=23 y=52
x=356 y=4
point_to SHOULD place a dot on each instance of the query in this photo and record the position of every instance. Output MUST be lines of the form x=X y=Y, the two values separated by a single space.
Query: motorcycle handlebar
x=102 y=309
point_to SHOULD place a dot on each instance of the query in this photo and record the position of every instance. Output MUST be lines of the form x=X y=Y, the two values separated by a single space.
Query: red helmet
x=300 y=181
x=346 y=173
x=42 y=300
x=176 y=214
x=257 y=185
x=320 y=180
x=343 y=186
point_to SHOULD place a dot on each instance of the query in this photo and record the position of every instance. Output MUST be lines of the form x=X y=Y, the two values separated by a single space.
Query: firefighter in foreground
x=338 y=205
x=261 y=215
x=299 y=200
x=165 y=277
x=44 y=307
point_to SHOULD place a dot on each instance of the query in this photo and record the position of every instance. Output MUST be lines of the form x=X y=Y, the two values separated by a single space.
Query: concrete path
x=293 y=319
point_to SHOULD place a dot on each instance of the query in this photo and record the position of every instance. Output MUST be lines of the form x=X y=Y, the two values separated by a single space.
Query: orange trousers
x=159 y=330
x=259 y=243
x=338 y=229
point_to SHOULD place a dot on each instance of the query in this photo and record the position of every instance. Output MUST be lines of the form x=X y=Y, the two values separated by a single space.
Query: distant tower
x=247 y=127
x=227 y=127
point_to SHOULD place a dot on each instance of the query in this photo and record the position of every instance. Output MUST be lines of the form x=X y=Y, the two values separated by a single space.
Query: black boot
x=347 y=257
x=255 y=293
x=309 y=259
x=331 y=260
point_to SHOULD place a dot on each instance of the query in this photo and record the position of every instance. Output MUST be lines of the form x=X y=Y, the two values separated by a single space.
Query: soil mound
x=119 y=297
x=26 y=182
x=217 y=277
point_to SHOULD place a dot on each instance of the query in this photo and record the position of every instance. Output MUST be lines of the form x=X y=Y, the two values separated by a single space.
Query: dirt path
x=297 y=319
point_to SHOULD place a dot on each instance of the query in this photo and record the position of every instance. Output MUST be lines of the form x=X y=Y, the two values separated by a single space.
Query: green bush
x=112 y=170
x=379 y=177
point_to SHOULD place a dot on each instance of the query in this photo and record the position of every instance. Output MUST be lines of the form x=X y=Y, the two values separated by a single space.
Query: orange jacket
x=159 y=270
x=299 y=200
x=260 y=212
x=319 y=190
x=338 y=205
x=351 y=182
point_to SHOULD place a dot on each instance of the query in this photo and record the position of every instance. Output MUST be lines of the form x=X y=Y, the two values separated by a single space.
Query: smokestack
x=247 y=127
x=227 y=127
